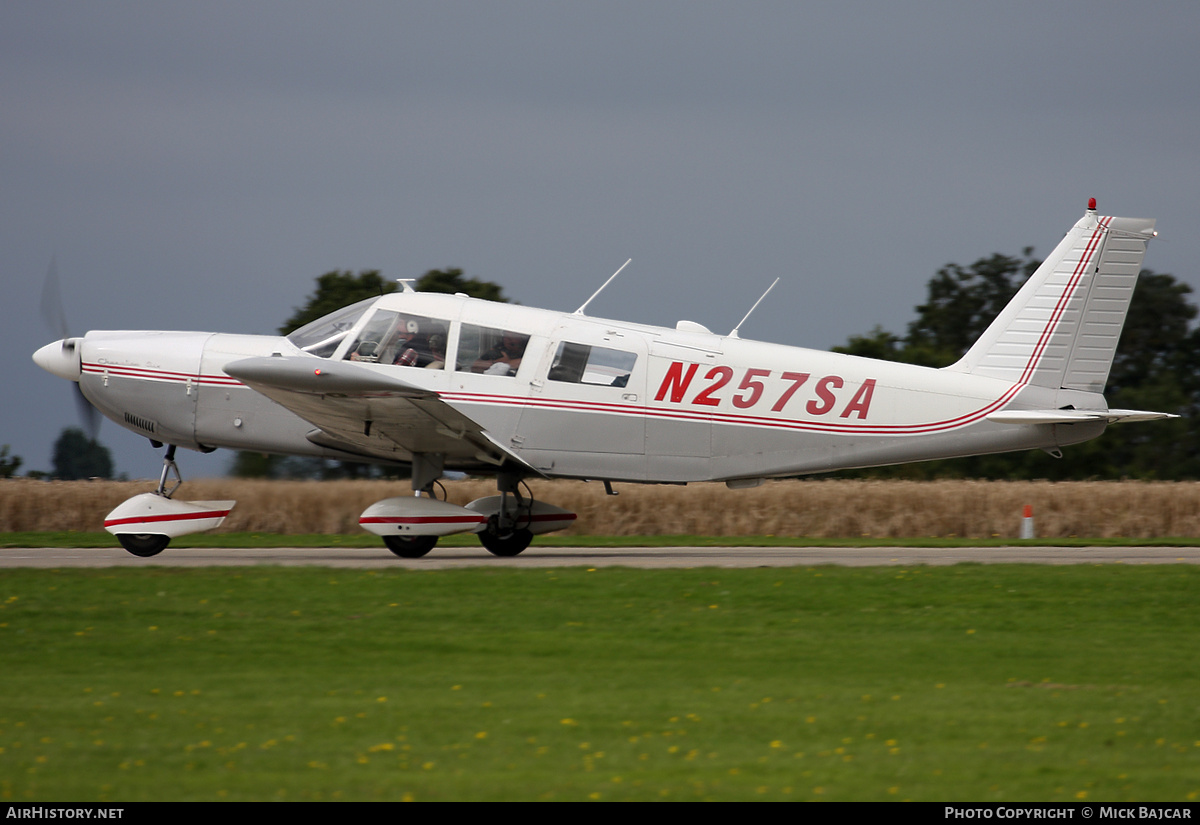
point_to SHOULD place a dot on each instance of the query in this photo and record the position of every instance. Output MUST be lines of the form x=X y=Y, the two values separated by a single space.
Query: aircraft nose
x=60 y=358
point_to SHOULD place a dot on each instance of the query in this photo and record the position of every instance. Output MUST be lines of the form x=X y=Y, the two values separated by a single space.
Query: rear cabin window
x=401 y=340
x=490 y=351
x=584 y=364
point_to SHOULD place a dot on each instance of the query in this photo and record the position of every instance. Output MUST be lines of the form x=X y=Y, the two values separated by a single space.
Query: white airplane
x=447 y=382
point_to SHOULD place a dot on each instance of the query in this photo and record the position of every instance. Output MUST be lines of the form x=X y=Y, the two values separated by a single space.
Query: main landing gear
x=507 y=531
x=410 y=526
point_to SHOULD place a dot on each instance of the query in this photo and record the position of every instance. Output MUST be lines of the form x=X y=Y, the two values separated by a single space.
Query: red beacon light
x=1091 y=204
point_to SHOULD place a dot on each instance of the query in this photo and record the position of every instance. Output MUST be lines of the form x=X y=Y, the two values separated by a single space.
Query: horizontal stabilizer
x=1119 y=416
x=1074 y=416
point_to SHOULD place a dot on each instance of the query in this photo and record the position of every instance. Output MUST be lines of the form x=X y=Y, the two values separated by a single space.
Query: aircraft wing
x=373 y=415
x=1074 y=416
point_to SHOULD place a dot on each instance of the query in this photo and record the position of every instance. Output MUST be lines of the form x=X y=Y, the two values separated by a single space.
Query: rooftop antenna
x=601 y=289
x=734 y=332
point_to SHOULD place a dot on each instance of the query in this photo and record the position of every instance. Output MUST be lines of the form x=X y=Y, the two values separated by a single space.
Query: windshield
x=322 y=336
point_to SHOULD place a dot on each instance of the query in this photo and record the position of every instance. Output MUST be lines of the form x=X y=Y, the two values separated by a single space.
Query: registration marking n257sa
x=757 y=388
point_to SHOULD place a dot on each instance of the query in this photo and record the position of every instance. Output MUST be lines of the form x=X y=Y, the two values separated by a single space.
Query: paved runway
x=644 y=557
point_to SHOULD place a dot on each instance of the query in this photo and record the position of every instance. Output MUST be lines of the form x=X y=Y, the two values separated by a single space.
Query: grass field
x=1001 y=683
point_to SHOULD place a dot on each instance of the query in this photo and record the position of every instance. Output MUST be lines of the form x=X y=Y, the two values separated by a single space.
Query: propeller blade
x=55 y=315
x=53 y=312
x=89 y=416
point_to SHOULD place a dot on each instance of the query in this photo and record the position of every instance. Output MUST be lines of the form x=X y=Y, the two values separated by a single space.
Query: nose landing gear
x=146 y=523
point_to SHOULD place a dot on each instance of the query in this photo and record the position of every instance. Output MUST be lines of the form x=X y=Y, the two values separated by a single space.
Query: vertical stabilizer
x=1062 y=327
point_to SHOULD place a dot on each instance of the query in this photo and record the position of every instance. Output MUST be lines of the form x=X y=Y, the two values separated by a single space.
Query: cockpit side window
x=584 y=364
x=401 y=340
x=322 y=336
x=490 y=351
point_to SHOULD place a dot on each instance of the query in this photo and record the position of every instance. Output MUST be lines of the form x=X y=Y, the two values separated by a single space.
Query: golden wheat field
x=817 y=508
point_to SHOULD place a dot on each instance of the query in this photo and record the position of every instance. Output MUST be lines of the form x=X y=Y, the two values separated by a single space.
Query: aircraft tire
x=144 y=544
x=506 y=546
x=410 y=547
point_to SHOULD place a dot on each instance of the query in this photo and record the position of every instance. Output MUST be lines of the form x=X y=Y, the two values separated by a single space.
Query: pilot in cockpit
x=407 y=344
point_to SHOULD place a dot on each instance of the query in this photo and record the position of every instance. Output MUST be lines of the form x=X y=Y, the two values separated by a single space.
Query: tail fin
x=1062 y=327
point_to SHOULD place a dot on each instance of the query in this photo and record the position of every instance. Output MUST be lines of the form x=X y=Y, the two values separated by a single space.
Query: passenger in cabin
x=504 y=358
x=437 y=349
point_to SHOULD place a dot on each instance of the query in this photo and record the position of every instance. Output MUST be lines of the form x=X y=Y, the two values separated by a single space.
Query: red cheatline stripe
x=757 y=421
x=456 y=519
x=177 y=517
x=422 y=520
x=159 y=375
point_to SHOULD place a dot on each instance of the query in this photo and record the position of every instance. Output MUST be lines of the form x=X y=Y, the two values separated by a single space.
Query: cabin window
x=401 y=340
x=583 y=364
x=490 y=351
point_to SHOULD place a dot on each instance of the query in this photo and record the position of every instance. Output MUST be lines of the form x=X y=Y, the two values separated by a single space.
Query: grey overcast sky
x=195 y=165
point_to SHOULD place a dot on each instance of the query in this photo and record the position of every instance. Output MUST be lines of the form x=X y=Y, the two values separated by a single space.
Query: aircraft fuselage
x=660 y=405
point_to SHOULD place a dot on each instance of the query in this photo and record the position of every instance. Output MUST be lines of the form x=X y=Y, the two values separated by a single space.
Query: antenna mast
x=601 y=289
x=734 y=332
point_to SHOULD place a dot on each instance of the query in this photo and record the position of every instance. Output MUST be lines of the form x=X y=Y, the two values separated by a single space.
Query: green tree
x=451 y=281
x=339 y=288
x=8 y=464
x=962 y=302
x=77 y=456
x=336 y=289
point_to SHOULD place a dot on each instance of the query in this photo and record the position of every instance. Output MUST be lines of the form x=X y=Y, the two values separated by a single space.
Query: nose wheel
x=144 y=544
x=410 y=547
